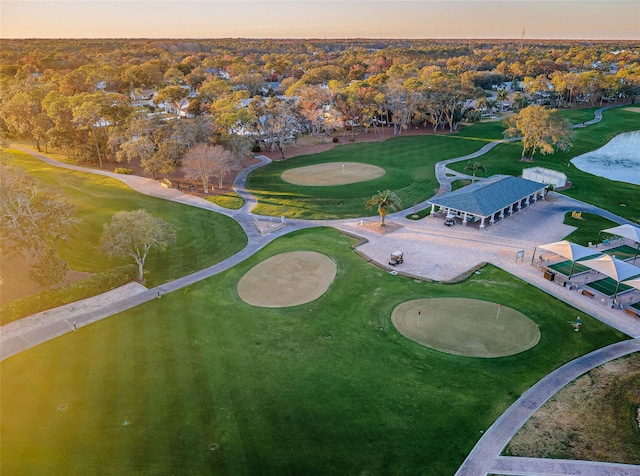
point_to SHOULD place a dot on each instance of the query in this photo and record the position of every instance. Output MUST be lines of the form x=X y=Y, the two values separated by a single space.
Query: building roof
x=488 y=196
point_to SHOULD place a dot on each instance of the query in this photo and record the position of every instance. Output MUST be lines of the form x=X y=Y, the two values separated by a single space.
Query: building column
x=527 y=200
x=502 y=214
x=464 y=219
x=482 y=223
x=511 y=209
x=433 y=209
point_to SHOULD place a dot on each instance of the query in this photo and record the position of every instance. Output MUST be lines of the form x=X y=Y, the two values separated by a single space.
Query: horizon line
x=318 y=38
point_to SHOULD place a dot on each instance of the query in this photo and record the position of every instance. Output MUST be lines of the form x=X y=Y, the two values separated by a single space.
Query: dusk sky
x=562 y=19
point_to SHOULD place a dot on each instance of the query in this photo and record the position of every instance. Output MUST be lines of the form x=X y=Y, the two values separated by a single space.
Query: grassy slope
x=200 y=367
x=204 y=238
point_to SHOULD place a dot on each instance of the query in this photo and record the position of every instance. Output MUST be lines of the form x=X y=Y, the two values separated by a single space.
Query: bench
x=631 y=312
x=588 y=293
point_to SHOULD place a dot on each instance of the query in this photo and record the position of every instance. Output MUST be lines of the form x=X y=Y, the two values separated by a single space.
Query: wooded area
x=108 y=101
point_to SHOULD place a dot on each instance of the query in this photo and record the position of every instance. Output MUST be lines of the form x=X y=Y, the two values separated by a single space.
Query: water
x=618 y=160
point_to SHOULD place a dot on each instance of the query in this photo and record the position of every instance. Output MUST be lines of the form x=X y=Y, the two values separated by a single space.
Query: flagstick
x=498 y=315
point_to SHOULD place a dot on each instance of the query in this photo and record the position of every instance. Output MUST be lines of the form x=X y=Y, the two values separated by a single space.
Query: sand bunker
x=617 y=160
x=465 y=327
x=333 y=173
x=287 y=279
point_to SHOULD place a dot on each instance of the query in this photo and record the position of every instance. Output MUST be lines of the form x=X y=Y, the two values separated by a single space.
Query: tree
x=275 y=121
x=475 y=166
x=203 y=161
x=141 y=149
x=135 y=234
x=502 y=95
x=385 y=201
x=540 y=129
x=33 y=218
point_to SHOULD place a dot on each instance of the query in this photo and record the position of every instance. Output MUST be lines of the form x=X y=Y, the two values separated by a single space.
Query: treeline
x=115 y=100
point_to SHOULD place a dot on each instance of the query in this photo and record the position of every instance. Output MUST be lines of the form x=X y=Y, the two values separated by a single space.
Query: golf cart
x=396 y=258
x=450 y=220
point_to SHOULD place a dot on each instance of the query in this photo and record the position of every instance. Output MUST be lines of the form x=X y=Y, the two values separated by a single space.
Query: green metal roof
x=488 y=196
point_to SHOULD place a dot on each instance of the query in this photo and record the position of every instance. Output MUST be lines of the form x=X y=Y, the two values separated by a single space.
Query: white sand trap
x=287 y=279
x=332 y=173
x=617 y=160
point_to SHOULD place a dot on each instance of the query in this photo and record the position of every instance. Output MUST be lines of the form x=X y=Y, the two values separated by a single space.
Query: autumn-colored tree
x=540 y=129
x=203 y=161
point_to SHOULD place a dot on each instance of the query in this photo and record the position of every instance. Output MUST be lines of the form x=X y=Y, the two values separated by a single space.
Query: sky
x=538 y=19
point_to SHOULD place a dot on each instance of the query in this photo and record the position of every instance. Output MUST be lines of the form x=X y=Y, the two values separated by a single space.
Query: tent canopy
x=612 y=267
x=634 y=283
x=626 y=231
x=569 y=250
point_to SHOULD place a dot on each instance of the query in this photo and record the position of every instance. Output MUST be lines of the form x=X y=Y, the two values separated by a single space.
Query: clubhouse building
x=490 y=200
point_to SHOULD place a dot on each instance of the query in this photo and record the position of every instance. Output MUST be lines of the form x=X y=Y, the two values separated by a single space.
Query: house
x=142 y=97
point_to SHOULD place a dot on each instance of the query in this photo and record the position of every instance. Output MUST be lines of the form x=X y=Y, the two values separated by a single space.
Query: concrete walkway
x=431 y=251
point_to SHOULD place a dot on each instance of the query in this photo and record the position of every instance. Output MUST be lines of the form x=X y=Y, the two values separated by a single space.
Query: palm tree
x=474 y=167
x=502 y=95
x=520 y=101
x=385 y=201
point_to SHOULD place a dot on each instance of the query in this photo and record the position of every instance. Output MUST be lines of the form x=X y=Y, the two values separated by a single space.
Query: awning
x=626 y=231
x=613 y=267
x=569 y=250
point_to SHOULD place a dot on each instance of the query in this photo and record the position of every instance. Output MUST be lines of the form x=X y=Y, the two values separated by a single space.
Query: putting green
x=332 y=173
x=466 y=327
x=287 y=279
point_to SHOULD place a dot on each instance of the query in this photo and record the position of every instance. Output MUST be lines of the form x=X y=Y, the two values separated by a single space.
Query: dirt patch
x=375 y=226
x=332 y=173
x=17 y=284
x=288 y=279
x=466 y=327
x=632 y=109
x=594 y=418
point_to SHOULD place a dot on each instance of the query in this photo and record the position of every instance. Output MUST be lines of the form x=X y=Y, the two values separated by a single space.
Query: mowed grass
x=328 y=387
x=617 y=197
x=408 y=162
x=203 y=237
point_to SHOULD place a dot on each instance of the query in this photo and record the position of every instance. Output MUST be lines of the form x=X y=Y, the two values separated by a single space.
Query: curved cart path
x=485 y=457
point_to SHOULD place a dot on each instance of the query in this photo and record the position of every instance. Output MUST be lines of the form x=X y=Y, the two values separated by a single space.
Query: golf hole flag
x=499 y=309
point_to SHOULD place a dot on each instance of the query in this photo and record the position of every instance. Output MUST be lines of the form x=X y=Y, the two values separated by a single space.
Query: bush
x=92 y=286
x=122 y=170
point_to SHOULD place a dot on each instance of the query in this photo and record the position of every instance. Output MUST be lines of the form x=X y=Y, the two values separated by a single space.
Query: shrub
x=92 y=286
x=123 y=170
